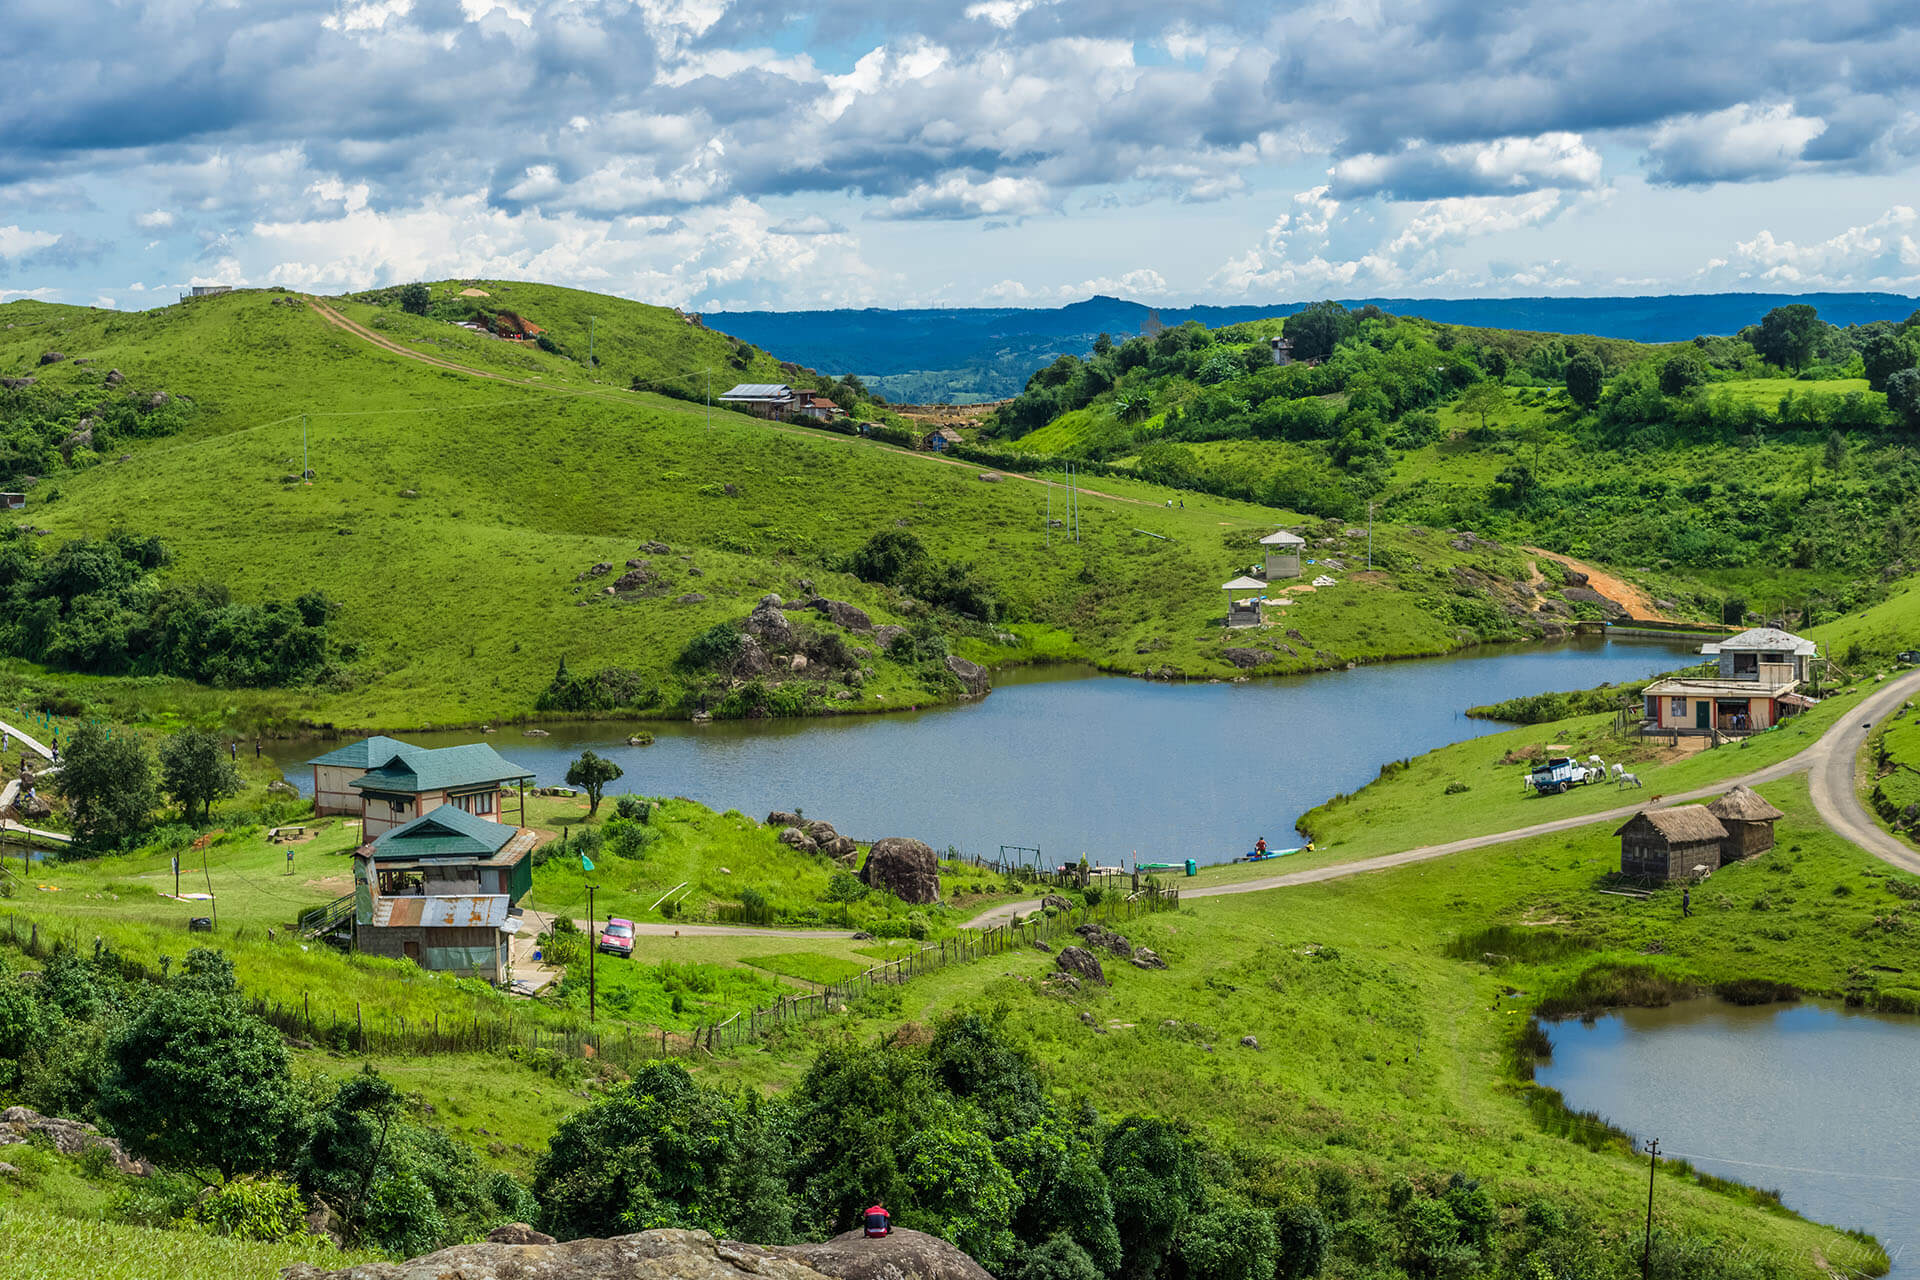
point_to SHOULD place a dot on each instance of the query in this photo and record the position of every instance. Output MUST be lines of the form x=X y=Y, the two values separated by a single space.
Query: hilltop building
x=816 y=407
x=773 y=401
x=1756 y=686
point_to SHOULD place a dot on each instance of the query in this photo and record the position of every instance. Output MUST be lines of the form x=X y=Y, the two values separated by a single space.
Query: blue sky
x=728 y=154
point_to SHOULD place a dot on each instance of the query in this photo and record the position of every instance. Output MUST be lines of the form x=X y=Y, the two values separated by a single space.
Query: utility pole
x=1369 y=535
x=591 y=321
x=591 y=948
x=1646 y=1256
x=1049 y=511
x=305 y=469
x=709 y=397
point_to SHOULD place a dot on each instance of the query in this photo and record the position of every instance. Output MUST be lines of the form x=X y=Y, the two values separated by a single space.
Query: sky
x=736 y=154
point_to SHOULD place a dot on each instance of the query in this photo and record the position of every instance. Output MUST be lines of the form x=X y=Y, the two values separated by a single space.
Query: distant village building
x=439 y=891
x=770 y=400
x=12 y=501
x=1749 y=821
x=1282 y=350
x=940 y=439
x=1756 y=687
x=388 y=783
x=205 y=291
x=815 y=405
x=1283 y=554
x=1671 y=844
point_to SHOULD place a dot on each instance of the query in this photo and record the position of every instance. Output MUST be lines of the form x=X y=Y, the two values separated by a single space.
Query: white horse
x=1618 y=769
x=1626 y=779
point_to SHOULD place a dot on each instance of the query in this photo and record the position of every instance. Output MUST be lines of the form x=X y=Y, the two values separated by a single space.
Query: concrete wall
x=331 y=792
x=466 y=952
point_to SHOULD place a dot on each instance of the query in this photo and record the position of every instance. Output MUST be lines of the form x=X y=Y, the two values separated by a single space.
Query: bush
x=252 y=1209
x=633 y=808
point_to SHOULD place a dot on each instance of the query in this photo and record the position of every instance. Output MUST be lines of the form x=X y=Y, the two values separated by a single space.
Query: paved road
x=539 y=921
x=1831 y=760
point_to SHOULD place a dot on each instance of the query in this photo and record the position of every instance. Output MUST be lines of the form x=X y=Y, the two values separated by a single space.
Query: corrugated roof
x=1744 y=804
x=1244 y=583
x=365 y=753
x=479 y=911
x=1762 y=640
x=1284 y=539
x=1731 y=689
x=759 y=391
x=1684 y=823
x=414 y=770
x=448 y=831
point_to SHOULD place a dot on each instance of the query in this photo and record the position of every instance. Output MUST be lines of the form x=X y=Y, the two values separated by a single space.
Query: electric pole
x=591 y=948
x=709 y=397
x=306 y=470
x=591 y=321
x=1369 y=535
x=1653 y=1163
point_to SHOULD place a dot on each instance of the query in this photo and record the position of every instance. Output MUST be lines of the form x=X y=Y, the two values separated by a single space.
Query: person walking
x=233 y=751
x=1686 y=903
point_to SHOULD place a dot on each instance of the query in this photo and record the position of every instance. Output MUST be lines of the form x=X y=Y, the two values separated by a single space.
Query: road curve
x=1831 y=761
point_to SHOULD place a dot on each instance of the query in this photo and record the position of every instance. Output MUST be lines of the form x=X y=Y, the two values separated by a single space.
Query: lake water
x=1813 y=1101
x=1071 y=762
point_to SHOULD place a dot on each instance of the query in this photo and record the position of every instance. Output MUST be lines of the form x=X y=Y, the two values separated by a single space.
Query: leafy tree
x=1496 y=363
x=592 y=773
x=1229 y=1243
x=197 y=1081
x=1301 y=1235
x=1682 y=374
x=414 y=298
x=108 y=782
x=960 y=1192
x=20 y=1028
x=1318 y=328
x=1585 y=378
x=1483 y=400
x=1836 y=451
x=196 y=769
x=1885 y=354
x=1058 y=1259
x=1103 y=344
x=1903 y=397
x=1153 y=1168
x=1788 y=335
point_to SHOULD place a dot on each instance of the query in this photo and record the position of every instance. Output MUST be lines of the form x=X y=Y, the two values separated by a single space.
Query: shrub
x=252 y=1209
x=633 y=808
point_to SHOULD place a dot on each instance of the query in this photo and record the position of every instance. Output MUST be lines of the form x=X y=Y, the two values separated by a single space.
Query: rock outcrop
x=672 y=1255
x=970 y=674
x=1106 y=940
x=906 y=868
x=795 y=838
x=1081 y=963
x=850 y=616
x=781 y=818
x=69 y=1138
x=769 y=625
x=1244 y=658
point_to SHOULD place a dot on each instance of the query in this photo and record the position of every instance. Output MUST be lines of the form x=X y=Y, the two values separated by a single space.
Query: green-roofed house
x=438 y=890
x=403 y=782
x=334 y=772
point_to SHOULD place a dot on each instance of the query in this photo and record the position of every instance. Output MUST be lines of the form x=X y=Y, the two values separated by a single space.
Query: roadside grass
x=36 y=1245
x=808 y=966
x=1381 y=1053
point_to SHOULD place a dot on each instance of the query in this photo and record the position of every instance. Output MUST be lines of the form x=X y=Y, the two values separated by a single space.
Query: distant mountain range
x=969 y=354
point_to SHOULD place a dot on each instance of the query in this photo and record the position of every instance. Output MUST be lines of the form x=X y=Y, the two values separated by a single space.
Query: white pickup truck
x=1555 y=776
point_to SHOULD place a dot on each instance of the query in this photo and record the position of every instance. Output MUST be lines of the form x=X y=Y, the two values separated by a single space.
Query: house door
x=1703 y=714
x=413 y=951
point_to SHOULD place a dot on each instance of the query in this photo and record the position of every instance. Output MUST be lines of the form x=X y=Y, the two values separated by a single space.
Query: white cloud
x=154 y=220
x=961 y=196
x=1739 y=144
x=1419 y=171
x=1463 y=217
x=15 y=243
x=1881 y=254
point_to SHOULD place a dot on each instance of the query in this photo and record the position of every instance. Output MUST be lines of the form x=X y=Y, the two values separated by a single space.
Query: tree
x=108 y=783
x=195 y=1080
x=1154 y=1171
x=1836 y=455
x=1102 y=344
x=1483 y=400
x=196 y=770
x=414 y=298
x=1788 y=335
x=1229 y=1243
x=1885 y=354
x=592 y=773
x=1585 y=378
x=1680 y=375
x=1496 y=364
x=1318 y=328
x=1903 y=397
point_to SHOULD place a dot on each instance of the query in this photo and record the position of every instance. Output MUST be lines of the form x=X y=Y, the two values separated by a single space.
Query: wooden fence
x=360 y=1031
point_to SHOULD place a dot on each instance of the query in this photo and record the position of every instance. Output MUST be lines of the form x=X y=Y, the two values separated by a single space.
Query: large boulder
x=781 y=818
x=1081 y=963
x=68 y=1137
x=822 y=832
x=674 y=1255
x=795 y=838
x=1244 y=658
x=906 y=868
x=970 y=674
x=850 y=616
x=1106 y=939
x=841 y=849
x=886 y=633
x=769 y=625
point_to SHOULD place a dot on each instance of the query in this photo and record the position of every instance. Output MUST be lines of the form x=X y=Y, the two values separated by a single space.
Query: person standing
x=1686 y=903
x=233 y=751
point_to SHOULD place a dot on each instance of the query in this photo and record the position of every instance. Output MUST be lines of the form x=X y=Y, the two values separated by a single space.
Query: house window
x=1677 y=707
x=480 y=802
x=1746 y=664
x=1653 y=708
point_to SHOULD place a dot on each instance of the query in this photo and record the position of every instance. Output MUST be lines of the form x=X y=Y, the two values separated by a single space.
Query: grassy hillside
x=450 y=516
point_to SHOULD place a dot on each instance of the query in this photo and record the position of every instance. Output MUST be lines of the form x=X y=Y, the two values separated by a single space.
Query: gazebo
x=1243 y=610
x=1283 y=554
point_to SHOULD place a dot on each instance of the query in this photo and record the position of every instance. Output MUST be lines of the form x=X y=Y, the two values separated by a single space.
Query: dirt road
x=1832 y=761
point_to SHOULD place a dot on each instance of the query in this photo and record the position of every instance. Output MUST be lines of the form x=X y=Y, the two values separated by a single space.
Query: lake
x=1068 y=761
x=1814 y=1101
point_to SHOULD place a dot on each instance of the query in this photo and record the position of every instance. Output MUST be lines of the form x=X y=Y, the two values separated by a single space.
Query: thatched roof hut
x=1668 y=844
x=1749 y=821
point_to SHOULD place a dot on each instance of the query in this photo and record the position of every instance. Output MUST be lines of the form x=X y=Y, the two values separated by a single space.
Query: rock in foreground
x=676 y=1255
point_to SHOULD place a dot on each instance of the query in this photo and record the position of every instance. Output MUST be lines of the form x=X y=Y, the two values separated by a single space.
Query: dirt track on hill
x=1832 y=760
x=1634 y=600
x=360 y=331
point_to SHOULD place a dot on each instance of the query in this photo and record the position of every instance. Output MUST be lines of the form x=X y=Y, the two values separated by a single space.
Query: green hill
x=453 y=511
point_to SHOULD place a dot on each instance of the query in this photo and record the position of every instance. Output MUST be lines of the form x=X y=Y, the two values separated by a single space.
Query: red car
x=617 y=938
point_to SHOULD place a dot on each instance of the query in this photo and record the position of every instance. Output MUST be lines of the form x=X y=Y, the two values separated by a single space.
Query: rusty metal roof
x=476 y=911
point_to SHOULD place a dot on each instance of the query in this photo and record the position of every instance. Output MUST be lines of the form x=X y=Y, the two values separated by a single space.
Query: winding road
x=1831 y=761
